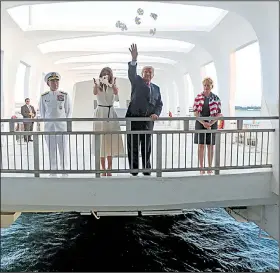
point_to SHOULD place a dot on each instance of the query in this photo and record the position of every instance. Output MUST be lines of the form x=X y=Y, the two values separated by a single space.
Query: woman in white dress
x=106 y=93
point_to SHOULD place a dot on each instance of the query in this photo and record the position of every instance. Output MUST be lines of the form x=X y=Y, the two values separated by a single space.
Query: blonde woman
x=106 y=93
x=206 y=104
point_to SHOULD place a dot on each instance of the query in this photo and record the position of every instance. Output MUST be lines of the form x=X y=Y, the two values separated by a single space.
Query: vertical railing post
x=36 y=155
x=218 y=152
x=97 y=154
x=67 y=151
x=159 y=155
x=12 y=129
x=1 y=166
x=186 y=125
x=128 y=125
x=69 y=125
x=128 y=128
x=12 y=125
x=239 y=124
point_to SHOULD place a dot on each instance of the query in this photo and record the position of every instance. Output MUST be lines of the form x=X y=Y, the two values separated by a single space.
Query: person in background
x=206 y=104
x=55 y=104
x=107 y=92
x=145 y=102
x=29 y=112
x=19 y=127
x=221 y=123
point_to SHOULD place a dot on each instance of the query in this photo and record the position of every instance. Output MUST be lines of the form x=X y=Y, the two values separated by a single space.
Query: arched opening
x=248 y=81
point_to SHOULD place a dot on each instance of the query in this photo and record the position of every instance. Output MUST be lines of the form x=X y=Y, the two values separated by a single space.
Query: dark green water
x=200 y=240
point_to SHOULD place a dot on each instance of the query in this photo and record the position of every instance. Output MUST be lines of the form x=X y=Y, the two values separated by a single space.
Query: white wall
x=83 y=98
x=17 y=48
x=28 y=194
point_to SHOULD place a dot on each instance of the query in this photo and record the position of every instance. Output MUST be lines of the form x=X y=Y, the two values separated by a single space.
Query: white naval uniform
x=56 y=104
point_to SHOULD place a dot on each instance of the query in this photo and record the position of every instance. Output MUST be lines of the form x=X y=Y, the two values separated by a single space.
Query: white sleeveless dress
x=110 y=145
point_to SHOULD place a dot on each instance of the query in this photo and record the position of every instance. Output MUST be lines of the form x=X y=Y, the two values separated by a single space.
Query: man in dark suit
x=28 y=111
x=145 y=102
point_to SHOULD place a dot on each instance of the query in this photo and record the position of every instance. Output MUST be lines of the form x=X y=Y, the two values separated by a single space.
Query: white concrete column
x=187 y=91
x=181 y=89
x=222 y=65
x=202 y=72
x=268 y=35
x=172 y=97
x=164 y=95
x=232 y=90
x=35 y=79
x=10 y=67
x=165 y=100
x=195 y=75
x=168 y=100
x=2 y=90
x=267 y=31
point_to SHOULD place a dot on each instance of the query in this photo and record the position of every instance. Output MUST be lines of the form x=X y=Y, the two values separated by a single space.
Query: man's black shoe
x=134 y=174
x=147 y=174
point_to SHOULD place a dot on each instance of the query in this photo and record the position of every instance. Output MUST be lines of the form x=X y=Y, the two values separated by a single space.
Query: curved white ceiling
x=102 y=16
x=115 y=43
x=121 y=66
x=114 y=57
x=57 y=27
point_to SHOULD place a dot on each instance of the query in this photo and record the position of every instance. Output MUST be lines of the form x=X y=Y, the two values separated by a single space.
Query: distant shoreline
x=248 y=108
x=241 y=108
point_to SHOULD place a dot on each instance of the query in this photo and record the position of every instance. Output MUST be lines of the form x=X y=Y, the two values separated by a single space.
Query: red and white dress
x=206 y=107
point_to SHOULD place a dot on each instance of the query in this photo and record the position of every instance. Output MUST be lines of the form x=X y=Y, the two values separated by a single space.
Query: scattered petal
x=118 y=24
x=137 y=20
x=140 y=11
x=154 y=16
x=153 y=31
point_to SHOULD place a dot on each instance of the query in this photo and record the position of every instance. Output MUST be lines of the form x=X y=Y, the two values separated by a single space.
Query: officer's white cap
x=52 y=76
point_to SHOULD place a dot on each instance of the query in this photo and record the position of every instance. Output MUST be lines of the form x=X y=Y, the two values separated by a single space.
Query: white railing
x=173 y=150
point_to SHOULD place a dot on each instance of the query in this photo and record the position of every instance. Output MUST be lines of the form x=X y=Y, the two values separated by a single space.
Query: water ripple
x=201 y=240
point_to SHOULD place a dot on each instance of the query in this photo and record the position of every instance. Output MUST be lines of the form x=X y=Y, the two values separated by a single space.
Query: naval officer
x=55 y=104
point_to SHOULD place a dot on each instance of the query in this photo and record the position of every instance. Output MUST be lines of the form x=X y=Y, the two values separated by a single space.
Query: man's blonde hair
x=148 y=67
x=208 y=80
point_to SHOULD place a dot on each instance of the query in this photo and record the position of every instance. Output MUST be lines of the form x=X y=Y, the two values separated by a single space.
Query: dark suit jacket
x=141 y=104
x=25 y=111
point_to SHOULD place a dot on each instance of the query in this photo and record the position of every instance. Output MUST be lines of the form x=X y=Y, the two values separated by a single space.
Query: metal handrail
x=261 y=141
x=137 y=132
x=138 y=119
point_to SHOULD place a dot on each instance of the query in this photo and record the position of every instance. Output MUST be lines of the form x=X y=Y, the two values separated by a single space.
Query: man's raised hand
x=133 y=52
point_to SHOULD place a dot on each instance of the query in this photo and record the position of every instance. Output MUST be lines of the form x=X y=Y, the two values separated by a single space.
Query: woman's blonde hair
x=208 y=80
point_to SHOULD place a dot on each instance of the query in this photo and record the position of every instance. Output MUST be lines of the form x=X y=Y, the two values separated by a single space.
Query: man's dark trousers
x=136 y=140
x=28 y=127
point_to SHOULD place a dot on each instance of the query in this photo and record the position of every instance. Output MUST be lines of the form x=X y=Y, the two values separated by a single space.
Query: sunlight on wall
x=175 y=93
x=20 y=83
x=190 y=90
x=248 y=76
x=210 y=71
x=2 y=91
x=43 y=84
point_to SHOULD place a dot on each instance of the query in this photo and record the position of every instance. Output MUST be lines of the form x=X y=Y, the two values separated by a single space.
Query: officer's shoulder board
x=64 y=93
x=45 y=93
